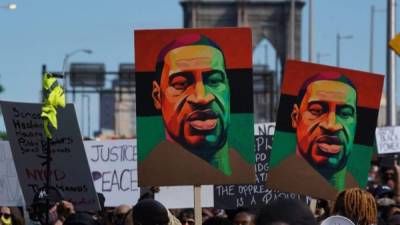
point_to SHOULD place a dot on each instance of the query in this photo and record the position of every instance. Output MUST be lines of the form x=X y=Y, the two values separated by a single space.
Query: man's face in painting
x=194 y=97
x=326 y=123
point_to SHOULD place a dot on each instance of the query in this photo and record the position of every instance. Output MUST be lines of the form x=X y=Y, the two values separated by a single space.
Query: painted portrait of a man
x=191 y=93
x=325 y=129
x=325 y=118
x=193 y=97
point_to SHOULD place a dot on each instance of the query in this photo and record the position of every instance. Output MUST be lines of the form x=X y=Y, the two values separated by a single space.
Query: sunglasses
x=5 y=215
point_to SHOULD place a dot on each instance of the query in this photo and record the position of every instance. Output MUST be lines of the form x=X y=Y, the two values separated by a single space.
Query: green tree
x=3 y=135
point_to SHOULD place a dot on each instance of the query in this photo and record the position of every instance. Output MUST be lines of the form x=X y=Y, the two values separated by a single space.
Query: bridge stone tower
x=268 y=19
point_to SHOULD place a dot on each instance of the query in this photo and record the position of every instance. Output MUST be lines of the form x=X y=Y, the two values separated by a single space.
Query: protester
x=150 y=212
x=101 y=216
x=206 y=213
x=186 y=217
x=358 y=205
x=394 y=220
x=244 y=218
x=373 y=177
x=217 y=220
x=387 y=175
x=50 y=202
x=80 y=219
x=172 y=219
x=128 y=218
x=11 y=216
x=119 y=214
x=322 y=210
x=285 y=211
x=5 y=216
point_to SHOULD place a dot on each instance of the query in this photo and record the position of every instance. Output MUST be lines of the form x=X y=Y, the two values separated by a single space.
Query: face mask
x=53 y=217
x=5 y=219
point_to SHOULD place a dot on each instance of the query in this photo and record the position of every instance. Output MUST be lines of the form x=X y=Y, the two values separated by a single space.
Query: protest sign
x=10 y=191
x=176 y=197
x=388 y=139
x=253 y=195
x=186 y=137
x=114 y=170
x=113 y=164
x=69 y=166
x=325 y=127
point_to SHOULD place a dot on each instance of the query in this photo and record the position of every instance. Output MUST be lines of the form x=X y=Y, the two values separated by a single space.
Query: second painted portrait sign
x=325 y=129
x=194 y=106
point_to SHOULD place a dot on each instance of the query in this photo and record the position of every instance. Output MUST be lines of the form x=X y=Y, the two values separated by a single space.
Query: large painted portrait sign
x=325 y=130
x=194 y=106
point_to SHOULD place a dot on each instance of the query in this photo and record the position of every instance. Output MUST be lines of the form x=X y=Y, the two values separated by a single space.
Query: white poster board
x=264 y=128
x=388 y=139
x=114 y=170
x=10 y=191
x=176 y=197
x=69 y=167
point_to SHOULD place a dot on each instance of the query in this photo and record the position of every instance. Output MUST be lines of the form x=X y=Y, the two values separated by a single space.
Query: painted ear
x=294 y=115
x=156 y=95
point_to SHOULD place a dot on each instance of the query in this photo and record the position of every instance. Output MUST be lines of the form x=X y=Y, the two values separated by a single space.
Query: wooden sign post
x=197 y=205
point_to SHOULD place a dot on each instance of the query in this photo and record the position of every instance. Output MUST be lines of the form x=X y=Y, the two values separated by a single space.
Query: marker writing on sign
x=118 y=153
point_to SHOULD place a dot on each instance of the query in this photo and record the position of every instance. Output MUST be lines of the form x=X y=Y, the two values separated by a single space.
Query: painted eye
x=346 y=112
x=215 y=79
x=316 y=110
x=180 y=83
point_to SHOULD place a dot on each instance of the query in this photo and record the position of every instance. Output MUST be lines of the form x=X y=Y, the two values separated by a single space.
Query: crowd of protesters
x=378 y=203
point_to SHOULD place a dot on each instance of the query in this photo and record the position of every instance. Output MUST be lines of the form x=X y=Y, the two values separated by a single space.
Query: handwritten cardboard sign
x=253 y=195
x=10 y=191
x=388 y=139
x=69 y=167
x=114 y=170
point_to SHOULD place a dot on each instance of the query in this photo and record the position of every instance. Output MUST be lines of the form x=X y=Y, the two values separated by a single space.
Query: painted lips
x=204 y=120
x=329 y=144
x=204 y=124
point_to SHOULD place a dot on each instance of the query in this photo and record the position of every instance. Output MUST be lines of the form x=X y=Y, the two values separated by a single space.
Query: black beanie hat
x=290 y=211
x=149 y=212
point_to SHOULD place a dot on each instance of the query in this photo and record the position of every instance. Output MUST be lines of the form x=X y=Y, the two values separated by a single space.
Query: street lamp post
x=10 y=6
x=292 y=28
x=82 y=116
x=338 y=39
x=65 y=62
x=310 y=30
x=391 y=119
x=88 y=112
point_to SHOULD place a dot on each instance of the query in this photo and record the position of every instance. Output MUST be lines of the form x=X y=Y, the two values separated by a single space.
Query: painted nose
x=330 y=123
x=199 y=96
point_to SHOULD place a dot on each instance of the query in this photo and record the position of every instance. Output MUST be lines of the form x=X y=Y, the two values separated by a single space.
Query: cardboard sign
x=69 y=166
x=388 y=139
x=114 y=170
x=325 y=129
x=194 y=97
x=253 y=195
x=10 y=191
x=179 y=197
x=113 y=164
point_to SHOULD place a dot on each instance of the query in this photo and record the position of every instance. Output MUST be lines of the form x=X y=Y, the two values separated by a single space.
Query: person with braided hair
x=358 y=205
